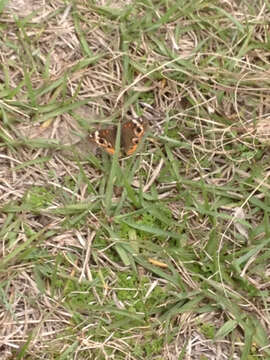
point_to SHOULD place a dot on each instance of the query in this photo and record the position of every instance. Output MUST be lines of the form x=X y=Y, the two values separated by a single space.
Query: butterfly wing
x=105 y=139
x=131 y=133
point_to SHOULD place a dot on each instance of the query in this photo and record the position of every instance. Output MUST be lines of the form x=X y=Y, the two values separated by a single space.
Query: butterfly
x=132 y=132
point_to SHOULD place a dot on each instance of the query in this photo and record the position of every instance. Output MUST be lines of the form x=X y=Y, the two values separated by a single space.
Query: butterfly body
x=131 y=133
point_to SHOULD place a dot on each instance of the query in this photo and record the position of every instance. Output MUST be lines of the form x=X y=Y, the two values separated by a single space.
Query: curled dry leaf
x=239 y=214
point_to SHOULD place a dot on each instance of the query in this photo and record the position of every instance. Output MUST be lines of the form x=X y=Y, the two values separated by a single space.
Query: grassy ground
x=160 y=255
